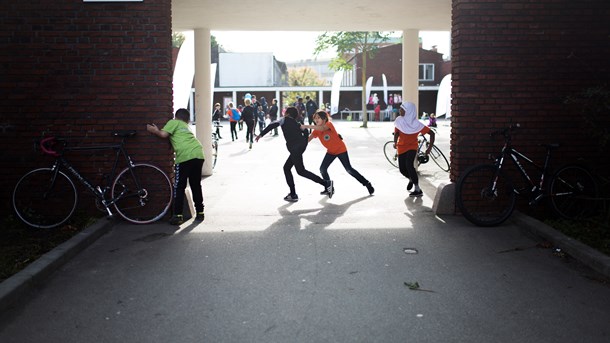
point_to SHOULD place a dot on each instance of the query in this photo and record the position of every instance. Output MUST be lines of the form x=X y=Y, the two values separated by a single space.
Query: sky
x=279 y=42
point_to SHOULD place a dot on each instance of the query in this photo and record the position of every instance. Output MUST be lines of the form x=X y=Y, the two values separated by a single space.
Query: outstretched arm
x=152 y=128
x=315 y=127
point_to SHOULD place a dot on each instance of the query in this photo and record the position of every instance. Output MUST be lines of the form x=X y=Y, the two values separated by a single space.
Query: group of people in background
x=190 y=158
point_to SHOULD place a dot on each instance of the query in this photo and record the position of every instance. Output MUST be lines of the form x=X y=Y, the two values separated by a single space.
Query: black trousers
x=296 y=160
x=405 y=165
x=188 y=171
x=344 y=158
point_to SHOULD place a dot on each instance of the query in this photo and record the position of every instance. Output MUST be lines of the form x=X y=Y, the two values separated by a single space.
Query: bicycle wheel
x=214 y=153
x=484 y=196
x=439 y=158
x=142 y=194
x=390 y=153
x=573 y=192
x=44 y=199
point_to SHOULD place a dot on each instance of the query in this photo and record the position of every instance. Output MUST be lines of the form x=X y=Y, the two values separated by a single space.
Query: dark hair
x=183 y=114
x=292 y=112
x=322 y=114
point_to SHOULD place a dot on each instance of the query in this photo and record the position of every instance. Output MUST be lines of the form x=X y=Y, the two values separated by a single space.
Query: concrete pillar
x=203 y=95
x=410 y=66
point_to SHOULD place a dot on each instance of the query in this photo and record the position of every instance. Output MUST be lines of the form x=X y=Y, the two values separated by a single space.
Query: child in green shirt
x=188 y=164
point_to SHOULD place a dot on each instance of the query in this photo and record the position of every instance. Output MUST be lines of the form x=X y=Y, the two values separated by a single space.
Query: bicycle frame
x=61 y=162
x=517 y=158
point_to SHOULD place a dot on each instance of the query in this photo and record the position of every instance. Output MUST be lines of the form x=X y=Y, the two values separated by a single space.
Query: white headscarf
x=408 y=123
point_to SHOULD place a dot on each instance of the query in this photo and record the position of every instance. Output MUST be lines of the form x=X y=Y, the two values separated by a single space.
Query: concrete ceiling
x=311 y=15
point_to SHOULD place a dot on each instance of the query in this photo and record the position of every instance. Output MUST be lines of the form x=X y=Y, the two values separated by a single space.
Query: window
x=426 y=72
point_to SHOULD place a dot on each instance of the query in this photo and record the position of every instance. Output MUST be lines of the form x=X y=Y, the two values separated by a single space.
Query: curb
x=579 y=251
x=444 y=203
x=18 y=285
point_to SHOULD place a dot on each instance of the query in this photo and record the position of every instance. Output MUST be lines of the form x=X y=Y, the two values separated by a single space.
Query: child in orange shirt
x=333 y=142
x=407 y=128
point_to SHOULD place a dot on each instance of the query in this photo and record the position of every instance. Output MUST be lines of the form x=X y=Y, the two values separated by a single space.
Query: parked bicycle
x=215 y=139
x=486 y=195
x=435 y=155
x=141 y=193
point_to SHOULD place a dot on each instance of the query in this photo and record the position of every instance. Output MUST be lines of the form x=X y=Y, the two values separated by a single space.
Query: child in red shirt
x=333 y=142
x=407 y=128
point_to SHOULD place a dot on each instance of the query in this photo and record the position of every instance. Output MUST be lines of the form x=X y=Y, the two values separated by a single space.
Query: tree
x=348 y=46
x=302 y=77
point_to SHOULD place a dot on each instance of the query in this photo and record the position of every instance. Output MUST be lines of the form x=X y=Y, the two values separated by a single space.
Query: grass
x=21 y=245
x=592 y=233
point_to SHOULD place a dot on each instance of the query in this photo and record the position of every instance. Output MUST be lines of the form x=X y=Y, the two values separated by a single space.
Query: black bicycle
x=47 y=197
x=215 y=139
x=486 y=195
x=435 y=155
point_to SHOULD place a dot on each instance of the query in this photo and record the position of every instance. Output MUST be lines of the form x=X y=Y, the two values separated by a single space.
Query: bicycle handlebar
x=506 y=131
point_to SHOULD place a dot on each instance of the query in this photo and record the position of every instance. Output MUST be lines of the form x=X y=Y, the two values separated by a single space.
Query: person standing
x=188 y=163
x=234 y=117
x=300 y=106
x=216 y=119
x=296 y=143
x=311 y=108
x=335 y=147
x=273 y=114
x=248 y=116
x=406 y=130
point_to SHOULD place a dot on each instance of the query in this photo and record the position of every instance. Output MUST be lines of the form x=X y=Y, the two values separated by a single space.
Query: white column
x=410 y=66
x=203 y=95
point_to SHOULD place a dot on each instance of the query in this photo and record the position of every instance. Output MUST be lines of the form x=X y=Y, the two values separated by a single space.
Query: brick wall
x=515 y=62
x=81 y=70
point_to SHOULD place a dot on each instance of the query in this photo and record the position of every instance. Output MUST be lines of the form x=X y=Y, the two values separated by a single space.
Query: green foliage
x=594 y=106
x=302 y=77
x=591 y=233
x=177 y=39
x=348 y=44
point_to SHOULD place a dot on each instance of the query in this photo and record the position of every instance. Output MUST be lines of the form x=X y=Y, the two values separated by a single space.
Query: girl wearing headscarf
x=406 y=130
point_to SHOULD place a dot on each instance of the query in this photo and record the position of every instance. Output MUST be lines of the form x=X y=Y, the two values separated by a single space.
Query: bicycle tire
x=41 y=203
x=439 y=158
x=214 y=153
x=573 y=192
x=478 y=203
x=390 y=153
x=143 y=201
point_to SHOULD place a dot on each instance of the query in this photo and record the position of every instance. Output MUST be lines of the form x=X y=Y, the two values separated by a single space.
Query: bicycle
x=435 y=155
x=141 y=193
x=486 y=195
x=215 y=139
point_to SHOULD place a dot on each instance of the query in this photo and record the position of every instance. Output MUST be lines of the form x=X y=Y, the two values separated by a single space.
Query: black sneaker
x=330 y=190
x=200 y=217
x=291 y=198
x=370 y=188
x=176 y=220
x=409 y=186
x=416 y=194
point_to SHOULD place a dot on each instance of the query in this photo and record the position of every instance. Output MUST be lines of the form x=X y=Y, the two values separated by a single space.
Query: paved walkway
x=259 y=269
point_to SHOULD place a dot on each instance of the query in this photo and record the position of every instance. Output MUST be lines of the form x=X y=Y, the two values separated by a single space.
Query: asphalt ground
x=354 y=268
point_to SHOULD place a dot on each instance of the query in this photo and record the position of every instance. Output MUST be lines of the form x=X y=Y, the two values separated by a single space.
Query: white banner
x=335 y=90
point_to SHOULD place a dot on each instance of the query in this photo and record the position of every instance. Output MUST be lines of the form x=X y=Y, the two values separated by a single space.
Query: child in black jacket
x=296 y=143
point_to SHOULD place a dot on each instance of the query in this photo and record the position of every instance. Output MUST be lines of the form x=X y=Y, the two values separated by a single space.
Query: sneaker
x=200 y=217
x=291 y=198
x=176 y=220
x=370 y=188
x=409 y=186
x=416 y=194
x=330 y=190
x=325 y=191
x=250 y=145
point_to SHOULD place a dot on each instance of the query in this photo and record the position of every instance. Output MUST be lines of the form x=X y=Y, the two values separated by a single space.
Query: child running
x=188 y=164
x=407 y=128
x=333 y=142
x=296 y=143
